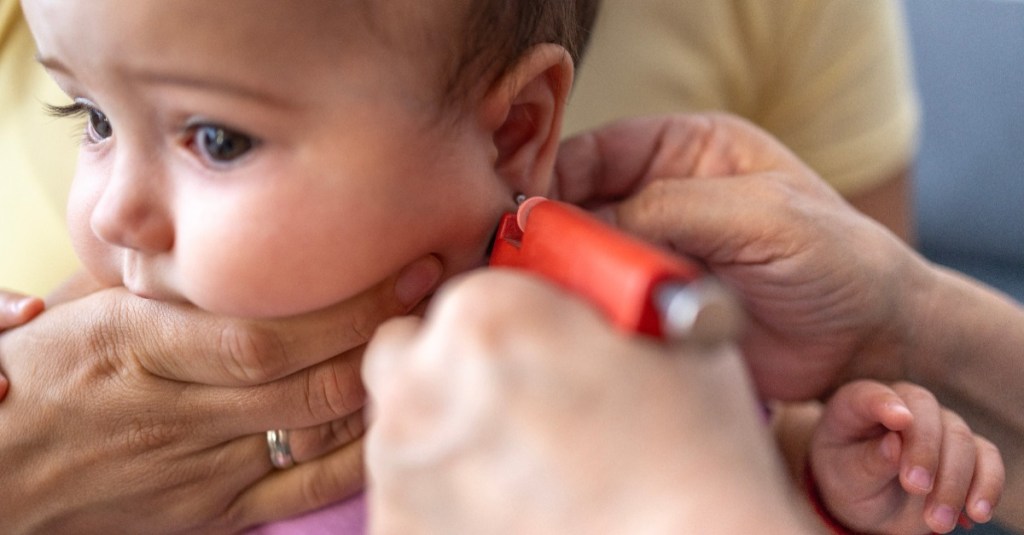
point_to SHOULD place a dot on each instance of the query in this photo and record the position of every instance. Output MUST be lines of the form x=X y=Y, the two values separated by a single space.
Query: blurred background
x=969 y=177
x=969 y=62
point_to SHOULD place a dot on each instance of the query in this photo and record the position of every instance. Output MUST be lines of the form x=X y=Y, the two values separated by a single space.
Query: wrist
x=957 y=324
x=924 y=318
x=832 y=524
x=893 y=346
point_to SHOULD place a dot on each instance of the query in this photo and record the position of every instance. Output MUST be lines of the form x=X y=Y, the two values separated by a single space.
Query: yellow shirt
x=831 y=79
x=37 y=157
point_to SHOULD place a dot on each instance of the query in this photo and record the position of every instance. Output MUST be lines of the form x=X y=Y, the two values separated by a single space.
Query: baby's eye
x=221 y=145
x=99 y=127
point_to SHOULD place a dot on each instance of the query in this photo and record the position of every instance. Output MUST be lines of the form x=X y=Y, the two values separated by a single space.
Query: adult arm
x=968 y=348
x=131 y=415
x=831 y=294
x=889 y=202
x=515 y=408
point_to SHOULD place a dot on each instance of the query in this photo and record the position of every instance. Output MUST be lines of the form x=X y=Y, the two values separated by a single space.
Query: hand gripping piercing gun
x=637 y=286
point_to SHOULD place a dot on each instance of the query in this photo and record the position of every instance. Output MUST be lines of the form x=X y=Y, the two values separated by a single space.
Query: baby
x=266 y=158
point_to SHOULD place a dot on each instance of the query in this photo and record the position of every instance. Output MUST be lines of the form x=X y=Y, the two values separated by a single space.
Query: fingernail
x=984 y=508
x=417 y=280
x=17 y=306
x=920 y=478
x=900 y=408
x=944 y=516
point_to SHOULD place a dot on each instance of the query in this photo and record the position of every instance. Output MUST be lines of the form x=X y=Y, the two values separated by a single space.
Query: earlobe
x=524 y=111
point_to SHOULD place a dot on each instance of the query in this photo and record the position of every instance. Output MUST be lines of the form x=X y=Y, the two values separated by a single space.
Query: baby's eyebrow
x=191 y=81
x=223 y=85
x=51 y=63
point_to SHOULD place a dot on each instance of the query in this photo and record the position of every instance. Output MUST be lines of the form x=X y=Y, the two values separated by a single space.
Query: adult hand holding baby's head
x=825 y=288
x=158 y=411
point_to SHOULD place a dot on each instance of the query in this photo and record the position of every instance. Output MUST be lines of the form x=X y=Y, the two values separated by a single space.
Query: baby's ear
x=524 y=110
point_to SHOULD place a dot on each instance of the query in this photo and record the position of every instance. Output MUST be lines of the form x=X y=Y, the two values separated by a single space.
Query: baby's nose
x=132 y=214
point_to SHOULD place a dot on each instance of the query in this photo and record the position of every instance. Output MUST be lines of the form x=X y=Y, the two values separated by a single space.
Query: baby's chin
x=253 y=302
x=151 y=288
x=289 y=297
x=156 y=295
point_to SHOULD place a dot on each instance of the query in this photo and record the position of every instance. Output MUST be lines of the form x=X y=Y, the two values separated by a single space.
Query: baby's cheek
x=257 y=277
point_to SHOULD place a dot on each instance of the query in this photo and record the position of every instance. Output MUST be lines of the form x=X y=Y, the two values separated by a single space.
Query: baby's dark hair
x=499 y=32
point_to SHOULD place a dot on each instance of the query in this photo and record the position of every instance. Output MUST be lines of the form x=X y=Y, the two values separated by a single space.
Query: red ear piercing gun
x=637 y=286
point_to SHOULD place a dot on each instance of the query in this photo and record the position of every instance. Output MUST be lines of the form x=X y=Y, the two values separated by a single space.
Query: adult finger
x=742 y=219
x=17 y=308
x=387 y=351
x=180 y=342
x=321 y=404
x=423 y=402
x=312 y=442
x=611 y=162
x=163 y=453
x=301 y=488
x=313 y=396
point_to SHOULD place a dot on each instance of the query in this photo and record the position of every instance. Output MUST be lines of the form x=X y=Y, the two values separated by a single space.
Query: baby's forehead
x=335 y=31
x=269 y=46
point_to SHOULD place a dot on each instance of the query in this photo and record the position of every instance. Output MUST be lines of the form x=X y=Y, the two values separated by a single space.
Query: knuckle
x=653 y=203
x=316 y=488
x=235 y=517
x=373 y=309
x=325 y=486
x=345 y=430
x=335 y=390
x=104 y=339
x=781 y=193
x=106 y=353
x=474 y=299
x=329 y=437
x=364 y=325
x=146 y=433
x=251 y=354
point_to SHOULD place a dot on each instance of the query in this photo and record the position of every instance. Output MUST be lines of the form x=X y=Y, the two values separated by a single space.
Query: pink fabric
x=343 y=518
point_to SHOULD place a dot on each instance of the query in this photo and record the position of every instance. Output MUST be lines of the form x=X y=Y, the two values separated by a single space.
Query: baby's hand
x=893 y=460
x=15 y=309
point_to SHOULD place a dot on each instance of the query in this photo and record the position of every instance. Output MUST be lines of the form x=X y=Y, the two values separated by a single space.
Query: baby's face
x=265 y=158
